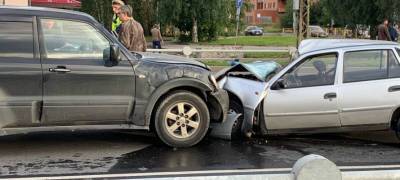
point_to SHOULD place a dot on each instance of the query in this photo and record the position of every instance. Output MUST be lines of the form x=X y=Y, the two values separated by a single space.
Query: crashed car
x=63 y=71
x=331 y=86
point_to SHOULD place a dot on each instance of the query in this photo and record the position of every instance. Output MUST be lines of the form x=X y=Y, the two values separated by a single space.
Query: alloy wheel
x=182 y=120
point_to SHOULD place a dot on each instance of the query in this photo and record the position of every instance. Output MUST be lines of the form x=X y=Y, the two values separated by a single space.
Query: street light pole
x=238 y=9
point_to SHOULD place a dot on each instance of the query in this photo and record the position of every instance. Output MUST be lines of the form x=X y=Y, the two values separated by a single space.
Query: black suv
x=62 y=70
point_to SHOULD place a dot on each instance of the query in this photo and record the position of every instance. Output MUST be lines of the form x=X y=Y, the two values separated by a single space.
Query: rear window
x=365 y=65
x=16 y=40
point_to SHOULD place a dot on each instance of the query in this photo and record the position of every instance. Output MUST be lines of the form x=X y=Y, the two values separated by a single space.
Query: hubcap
x=182 y=120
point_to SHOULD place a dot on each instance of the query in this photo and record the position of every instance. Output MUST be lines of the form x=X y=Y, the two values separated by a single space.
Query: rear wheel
x=182 y=119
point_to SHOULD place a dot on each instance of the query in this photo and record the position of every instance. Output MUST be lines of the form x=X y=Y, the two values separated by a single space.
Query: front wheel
x=236 y=108
x=182 y=119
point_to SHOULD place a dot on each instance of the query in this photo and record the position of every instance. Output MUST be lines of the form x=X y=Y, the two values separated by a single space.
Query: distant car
x=254 y=31
x=63 y=71
x=333 y=86
x=317 y=31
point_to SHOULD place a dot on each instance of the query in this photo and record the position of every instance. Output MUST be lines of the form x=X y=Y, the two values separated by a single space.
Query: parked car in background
x=254 y=31
x=317 y=31
x=63 y=71
x=332 y=86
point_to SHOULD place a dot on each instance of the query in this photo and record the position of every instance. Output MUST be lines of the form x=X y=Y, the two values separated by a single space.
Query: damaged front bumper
x=220 y=99
x=224 y=130
x=247 y=83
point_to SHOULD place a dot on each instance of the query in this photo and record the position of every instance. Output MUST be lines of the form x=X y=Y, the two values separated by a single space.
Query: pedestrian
x=131 y=33
x=393 y=33
x=156 y=36
x=383 y=31
x=116 y=22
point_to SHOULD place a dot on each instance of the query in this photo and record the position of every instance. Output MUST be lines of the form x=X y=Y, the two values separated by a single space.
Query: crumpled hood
x=262 y=70
x=170 y=59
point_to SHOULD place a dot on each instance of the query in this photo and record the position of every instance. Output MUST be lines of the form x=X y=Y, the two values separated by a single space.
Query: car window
x=73 y=40
x=394 y=66
x=365 y=65
x=16 y=40
x=313 y=71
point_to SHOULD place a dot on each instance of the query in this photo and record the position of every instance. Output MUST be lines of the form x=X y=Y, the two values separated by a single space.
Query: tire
x=236 y=107
x=397 y=129
x=182 y=119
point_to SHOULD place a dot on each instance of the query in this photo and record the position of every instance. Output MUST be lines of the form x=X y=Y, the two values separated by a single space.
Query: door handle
x=60 y=69
x=394 y=89
x=330 y=96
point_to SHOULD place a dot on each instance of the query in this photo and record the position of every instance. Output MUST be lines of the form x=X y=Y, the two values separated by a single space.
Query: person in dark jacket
x=393 y=33
x=132 y=33
x=383 y=31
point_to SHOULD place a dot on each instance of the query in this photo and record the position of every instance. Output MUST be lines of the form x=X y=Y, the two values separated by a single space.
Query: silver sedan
x=333 y=86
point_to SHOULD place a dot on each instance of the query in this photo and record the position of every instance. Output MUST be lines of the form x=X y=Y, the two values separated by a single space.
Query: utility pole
x=303 y=9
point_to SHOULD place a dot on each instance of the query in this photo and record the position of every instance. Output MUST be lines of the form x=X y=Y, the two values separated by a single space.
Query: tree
x=317 y=14
x=362 y=12
x=197 y=20
x=144 y=11
x=99 y=9
x=287 y=18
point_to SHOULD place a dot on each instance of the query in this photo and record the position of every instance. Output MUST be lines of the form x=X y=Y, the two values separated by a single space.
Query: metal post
x=295 y=21
x=237 y=29
x=238 y=9
x=304 y=21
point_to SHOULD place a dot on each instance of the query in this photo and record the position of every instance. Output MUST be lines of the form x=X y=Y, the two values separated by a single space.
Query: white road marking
x=207 y=173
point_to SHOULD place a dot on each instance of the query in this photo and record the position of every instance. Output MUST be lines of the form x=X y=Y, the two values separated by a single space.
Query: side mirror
x=112 y=56
x=279 y=84
x=115 y=53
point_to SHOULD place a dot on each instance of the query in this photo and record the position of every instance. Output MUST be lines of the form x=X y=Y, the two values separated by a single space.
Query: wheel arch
x=189 y=84
x=395 y=118
x=234 y=97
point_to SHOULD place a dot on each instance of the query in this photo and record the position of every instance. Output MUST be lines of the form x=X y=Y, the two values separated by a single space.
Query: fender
x=168 y=86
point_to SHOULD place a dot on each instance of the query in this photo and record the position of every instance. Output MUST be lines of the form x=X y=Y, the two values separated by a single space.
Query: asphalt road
x=49 y=154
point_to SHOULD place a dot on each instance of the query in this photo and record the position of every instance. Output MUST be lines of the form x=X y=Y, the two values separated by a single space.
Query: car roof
x=43 y=11
x=312 y=45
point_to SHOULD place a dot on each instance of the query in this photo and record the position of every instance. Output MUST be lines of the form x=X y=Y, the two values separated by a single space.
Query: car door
x=308 y=98
x=20 y=73
x=78 y=87
x=368 y=95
